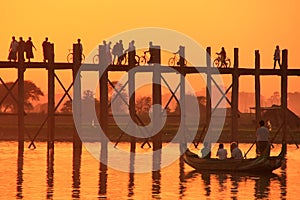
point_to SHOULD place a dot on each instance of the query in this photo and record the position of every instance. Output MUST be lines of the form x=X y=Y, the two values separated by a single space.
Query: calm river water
x=33 y=175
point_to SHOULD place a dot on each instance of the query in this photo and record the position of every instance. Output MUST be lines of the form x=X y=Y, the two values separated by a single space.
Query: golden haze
x=248 y=25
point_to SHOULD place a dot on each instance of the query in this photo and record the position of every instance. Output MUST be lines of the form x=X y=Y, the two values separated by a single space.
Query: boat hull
x=259 y=164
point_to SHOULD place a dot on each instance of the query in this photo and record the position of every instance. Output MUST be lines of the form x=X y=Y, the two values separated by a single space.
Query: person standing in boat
x=222 y=153
x=205 y=151
x=236 y=153
x=262 y=139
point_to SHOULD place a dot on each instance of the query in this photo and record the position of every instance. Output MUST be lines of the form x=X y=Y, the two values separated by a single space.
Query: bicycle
x=70 y=56
x=144 y=59
x=218 y=62
x=124 y=59
x=96 y=59
x=175 y=60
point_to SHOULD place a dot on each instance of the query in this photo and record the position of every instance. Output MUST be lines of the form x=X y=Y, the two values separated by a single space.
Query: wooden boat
x=259 y=164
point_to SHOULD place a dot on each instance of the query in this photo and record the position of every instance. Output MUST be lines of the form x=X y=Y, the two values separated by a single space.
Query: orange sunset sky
x=248 y=25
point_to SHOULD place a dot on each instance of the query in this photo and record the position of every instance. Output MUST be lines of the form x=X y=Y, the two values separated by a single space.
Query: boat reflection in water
x=262 y=182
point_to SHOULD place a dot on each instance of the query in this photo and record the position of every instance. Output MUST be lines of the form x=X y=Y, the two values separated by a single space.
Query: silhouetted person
x=181 y=56
x=120 y=52
x=21 y=50
x=104 y=43
x=131 y=54
x=262 y=139
x=46 y=49
x=222 y=153
x=114 y=52
x=223 y=56
x=13 y=49
x=80 y=48
x=205 y=151
x=29 y=45
x=108 y=53
x=150 y=52
x=277 y=57
x=236 y=153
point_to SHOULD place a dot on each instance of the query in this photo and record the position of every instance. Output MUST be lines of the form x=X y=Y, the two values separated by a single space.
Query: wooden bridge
x=52 y=67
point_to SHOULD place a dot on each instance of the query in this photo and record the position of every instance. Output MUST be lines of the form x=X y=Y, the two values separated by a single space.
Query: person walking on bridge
x=29 y=45
x=277 y=57
x=13 y=48
x=21 y=50
x=46 y=46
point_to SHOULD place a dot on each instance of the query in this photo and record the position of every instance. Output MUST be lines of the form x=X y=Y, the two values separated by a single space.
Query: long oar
x=249 y=149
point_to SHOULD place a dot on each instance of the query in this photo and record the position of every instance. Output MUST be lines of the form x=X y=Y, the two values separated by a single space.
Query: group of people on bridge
x=18 y=48
x=114 y=55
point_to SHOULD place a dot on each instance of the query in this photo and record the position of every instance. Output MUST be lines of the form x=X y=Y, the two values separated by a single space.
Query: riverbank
x=66 y=135
x=65 y=129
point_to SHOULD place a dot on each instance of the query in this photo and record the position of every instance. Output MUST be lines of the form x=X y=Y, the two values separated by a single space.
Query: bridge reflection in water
x=83 y=177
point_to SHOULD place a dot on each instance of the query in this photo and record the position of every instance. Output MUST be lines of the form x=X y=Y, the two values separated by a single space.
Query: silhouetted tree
x=143 y=105
x=67 y=107
x=191 y=105
x=31 y=93
x=87 y=99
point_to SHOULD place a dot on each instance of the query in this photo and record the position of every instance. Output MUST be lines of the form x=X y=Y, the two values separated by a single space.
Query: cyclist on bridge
x=223 y=56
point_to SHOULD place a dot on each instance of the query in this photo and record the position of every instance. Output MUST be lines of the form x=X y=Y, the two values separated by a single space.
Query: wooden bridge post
x=234 y=98
x=21 y=114
x=103 y=118
x=131 y=91
x=284 y=88
x=257 y=88
x=77 y=92
x=156 y=96
x=208 y=86
x=103 y=73
x=183 y=144
x=51 y=96
x=157 y=112
x=77 y=143
x=20 y=179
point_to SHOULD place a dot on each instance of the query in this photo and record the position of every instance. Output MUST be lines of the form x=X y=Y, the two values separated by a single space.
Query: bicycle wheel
x=172 y=61
x=124 y=60
x=96 y=59
x=143 y=60
x=185 y=62
x=70 y=57
x=137 y=60
x=228 y=62
x=216 y=63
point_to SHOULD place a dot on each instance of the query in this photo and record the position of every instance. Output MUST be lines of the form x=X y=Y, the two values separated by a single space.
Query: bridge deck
x=163 y=69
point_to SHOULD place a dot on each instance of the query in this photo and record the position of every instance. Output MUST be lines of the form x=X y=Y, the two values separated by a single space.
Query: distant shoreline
x=166 y=138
